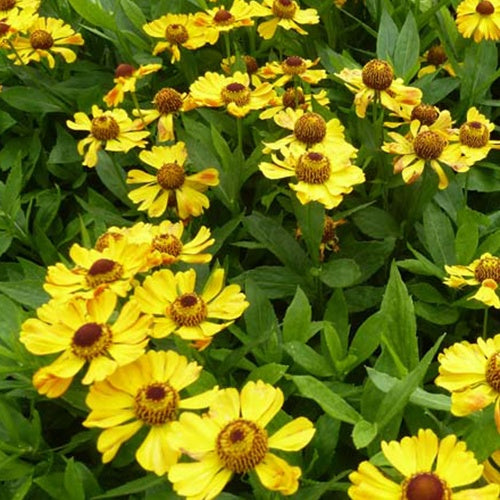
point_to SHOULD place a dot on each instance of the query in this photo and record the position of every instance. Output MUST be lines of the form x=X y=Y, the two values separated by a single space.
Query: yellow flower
x=215 y=90
x=474 y=137
x=144 y=393
x=426 y=114
x=429 y=469
x=480 y=19
x=82 y=332
x=170 y=186
x=15 y=21
x=111 y=129
x=113 y=268
x=47 y=36
x=178 y=308
x=420 y=147
x=288 y=15
x=492 y=468
x=294 y=98
x=471 y=372
x=436 y=59
x=310 y=130
x=232 y=439
x=484 y=272
x=167 y=103
x=293 y=66
x=178 y=30
x=251 y=65
x=376 y=80
x=219 y=20
x=322 y=177
x=8 y=6
x=49 y=385
x=125 y=79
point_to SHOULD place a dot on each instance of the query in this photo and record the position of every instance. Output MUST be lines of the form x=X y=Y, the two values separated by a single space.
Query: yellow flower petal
x=293 y=436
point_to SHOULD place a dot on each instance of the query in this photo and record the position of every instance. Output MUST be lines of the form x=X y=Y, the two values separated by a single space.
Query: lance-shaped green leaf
x=407 y=49
x=340 y=273
x=309 y=359
x=297 y=321
x=439 y=235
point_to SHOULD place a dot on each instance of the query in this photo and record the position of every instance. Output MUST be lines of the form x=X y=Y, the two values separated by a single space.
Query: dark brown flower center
x=241 y=445
x=436 y=55
x=485 y=8
x=156 y=403
x=425 y=486
x=493 y=372
x=103 y=271
x=4 y=28
x=377 y=74
x=104 y=128
x=41 y=39
x=188 y=310
x=294 y=65
x=237 y=93
x=313 y=168
x=91 y=340
x=429 y=145
x=251 y=64
x=171 y=176
x=474 y=134
x=310 y=128
x=104 y=240
x=488 y=268
x=284 y=9
x=223 y=17
x=124 y=70
x=7 y=4
x=293 y=97
x=167 y=243
x=167 y=100
x=426 y=114
x=176 y=33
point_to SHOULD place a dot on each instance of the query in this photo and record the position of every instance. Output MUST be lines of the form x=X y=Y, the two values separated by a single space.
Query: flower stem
x=239 y=124
x=485 y=323
x=136 y=104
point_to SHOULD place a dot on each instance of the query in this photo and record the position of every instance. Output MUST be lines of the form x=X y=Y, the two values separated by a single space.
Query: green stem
x=466 y=186
x=16 y=53
x=136 y=104
x=227 y=43
x=239 y=124
x=485 y=323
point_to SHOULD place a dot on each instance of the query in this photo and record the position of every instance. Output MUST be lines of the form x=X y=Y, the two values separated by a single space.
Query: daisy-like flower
x=321 y=177
x=113 y=268
x=474 y=137
x=7 y=6
x=111 y=129
x=215 y=90
x=251 y=65
x=426 y=114
x=471 y=372
x=232 y=439
x=479 y=19
x=219 y=20
x=294 y=98
x=177 y=308
x=144 y=393
x=293 y=66
x=167 y=102
x=126 y=77
x=376 y=80
x=13 y=22
x=177 y=30
x=47 y=36
x=420 y=147
x=483 y=272
x=170 y=186
x=491 y=470
x=82 y=332
x=310 y=130
x=288 y=15
x=429 y=469
x=435 y=58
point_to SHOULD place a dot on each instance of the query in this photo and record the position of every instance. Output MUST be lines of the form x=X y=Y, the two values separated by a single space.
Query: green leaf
x=11 y=194
x=377 y=223
x=340 y=273
x=134 y=13
x=466 y=241
x=73 y=482
x=330 y=342
x=439 y=235
x=135 y=486
x=92 y=12
x=333 y=404
x=336 y=313
x=407 y=49
x=269 y=373
x=113 y=177
x=27 y=292
x=6 y=121
x=483 y=178
x=64 y=150
x=34 y=101
x=311 y=220
x=367 y=338
x=438 y=314
x=309 y=359
x=422 y=265
x=436 y=89
x=297 y=321
x=387 y=37
x=5 y=241
x=364 y=433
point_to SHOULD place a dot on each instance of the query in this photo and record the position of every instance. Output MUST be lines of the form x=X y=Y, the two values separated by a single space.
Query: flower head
x=126 y=77
x=479 y=19
x=15 y=21
x=293 y=66
x=111 y=129
x=84 y=333
x=376 y=80
x=234 y=92
x=422 y=146
x=429 y=469
x=288 y=15
x=178 y=308
x=471 y=372
x=434 y=59
x=171 y=186
x=8 y=6
x=483 y=272
x=147 y=392
x=232 y=439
